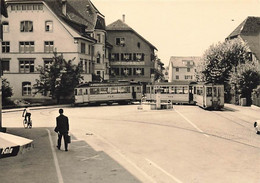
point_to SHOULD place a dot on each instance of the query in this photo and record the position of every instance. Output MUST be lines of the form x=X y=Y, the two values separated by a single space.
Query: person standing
x=62 y=128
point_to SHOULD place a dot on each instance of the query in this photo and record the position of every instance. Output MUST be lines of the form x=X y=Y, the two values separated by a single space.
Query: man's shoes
x=66 y=149
x=58 y=147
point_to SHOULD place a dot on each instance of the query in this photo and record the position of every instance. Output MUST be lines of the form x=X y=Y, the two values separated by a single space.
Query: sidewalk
x=35 y=108
x=45 y=163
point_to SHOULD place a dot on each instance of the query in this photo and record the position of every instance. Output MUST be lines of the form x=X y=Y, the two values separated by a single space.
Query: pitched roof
x=180 y=61
x=80 y=14
x=250 y=26
x=119 y=25
x=248 y=30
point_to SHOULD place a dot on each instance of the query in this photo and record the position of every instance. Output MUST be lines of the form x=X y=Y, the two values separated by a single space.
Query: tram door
x=190 y=94
x=133 y=93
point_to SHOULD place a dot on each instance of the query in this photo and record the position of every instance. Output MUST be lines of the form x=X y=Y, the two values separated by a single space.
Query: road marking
x=55 y=159
x=156 y=166
x=192 y=124
x=151 y=180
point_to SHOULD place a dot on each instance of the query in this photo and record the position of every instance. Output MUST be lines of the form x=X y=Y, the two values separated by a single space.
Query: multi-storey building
x=183 y=68
x=37 y=28
x=132 y=57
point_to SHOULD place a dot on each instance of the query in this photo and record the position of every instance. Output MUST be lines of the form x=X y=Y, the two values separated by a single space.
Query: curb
x=255 y=107
x=35 y=108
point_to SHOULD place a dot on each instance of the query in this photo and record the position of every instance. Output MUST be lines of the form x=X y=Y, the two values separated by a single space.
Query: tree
x=246 y=79
x=221 y=60
x=59 y=79
x=6 y=91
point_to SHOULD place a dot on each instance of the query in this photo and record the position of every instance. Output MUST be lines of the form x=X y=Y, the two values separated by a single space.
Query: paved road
x=186 y=144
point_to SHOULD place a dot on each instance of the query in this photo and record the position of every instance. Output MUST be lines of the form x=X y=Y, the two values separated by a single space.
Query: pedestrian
x=62 y=128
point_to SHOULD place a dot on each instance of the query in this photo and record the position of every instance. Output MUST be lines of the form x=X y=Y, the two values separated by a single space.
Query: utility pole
x=3 y=12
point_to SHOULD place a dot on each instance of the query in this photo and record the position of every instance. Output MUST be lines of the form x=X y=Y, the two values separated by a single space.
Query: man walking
x=62 y=129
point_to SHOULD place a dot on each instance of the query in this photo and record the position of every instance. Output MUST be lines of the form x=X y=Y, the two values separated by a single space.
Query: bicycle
x=27 y=124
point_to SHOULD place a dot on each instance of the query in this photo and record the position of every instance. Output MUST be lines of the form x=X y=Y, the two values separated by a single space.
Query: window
x=138 y=57
x=26 y=26
x=114 y=57
x=5 y=47
x=177 y=77
x=120 y=41
x=26 y=88
x=5 y=65
x=138 y=44
x=126 y=71
x=98 y=58
x=188 y=77
x=126 y=56
x=138 y=71
x=48 y=26
x=47 y=64
x=26 y=47
x=177 y=69
x=114 y=71
x=98 y=38
x=188 y=69
x=82 y=48
x=5 y=26
x=48 y=46
x=26 y=66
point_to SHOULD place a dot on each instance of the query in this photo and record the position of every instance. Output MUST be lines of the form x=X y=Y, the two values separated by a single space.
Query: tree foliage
x=59 y=79
x=6 y=91
x=221 y=61
x=246 y=79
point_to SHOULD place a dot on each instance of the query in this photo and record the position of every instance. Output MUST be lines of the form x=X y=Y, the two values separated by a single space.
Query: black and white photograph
x=130 y=91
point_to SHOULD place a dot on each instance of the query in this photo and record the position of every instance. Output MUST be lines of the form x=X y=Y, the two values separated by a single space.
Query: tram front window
x=214 y=91
x=209 y=91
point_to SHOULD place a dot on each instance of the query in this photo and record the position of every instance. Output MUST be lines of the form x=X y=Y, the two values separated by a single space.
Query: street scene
x=121 y=143
x=126 y=91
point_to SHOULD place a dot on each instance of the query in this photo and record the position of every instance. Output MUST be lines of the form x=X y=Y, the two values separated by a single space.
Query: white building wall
x=62 y=36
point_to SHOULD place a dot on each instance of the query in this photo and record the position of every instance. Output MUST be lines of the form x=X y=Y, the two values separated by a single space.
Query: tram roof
x=97 y=84
x=172 y=83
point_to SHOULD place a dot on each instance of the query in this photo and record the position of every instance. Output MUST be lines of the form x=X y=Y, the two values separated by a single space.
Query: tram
x=177 y=92
x=209 y=95
x=205 y=95
x=97 y=93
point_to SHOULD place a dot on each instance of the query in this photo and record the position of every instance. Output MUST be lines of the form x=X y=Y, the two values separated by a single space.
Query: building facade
x=132 y=57
x=36 y=29
x=182 y=68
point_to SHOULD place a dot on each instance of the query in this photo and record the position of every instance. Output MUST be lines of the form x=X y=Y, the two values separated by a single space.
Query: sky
x=180 y=27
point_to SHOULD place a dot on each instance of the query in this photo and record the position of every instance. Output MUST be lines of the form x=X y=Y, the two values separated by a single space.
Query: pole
x=1 y=128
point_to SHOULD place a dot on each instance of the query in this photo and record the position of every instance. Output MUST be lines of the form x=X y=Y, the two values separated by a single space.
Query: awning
x=11 y=145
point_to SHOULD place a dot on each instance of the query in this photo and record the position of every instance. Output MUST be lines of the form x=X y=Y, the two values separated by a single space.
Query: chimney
x=124 y=18
x=64 y=7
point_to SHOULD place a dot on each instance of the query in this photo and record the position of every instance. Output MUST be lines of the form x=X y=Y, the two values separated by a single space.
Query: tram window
x=122 y=89
x=185 y=90
x=214 y=91
x=209 y=91
x=195 y=90
x=103 y=90
x=165 y=90
x=152 y=90
x=148 y=89
x=94 y=90
x=179 y=90
x=80 y=91
x=86 y=92
x=114 y=90
x=219 y=92
x=138 y=89
x=75 y=92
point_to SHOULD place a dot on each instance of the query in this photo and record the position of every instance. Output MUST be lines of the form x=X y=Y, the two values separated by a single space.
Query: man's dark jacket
x=62 y=124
